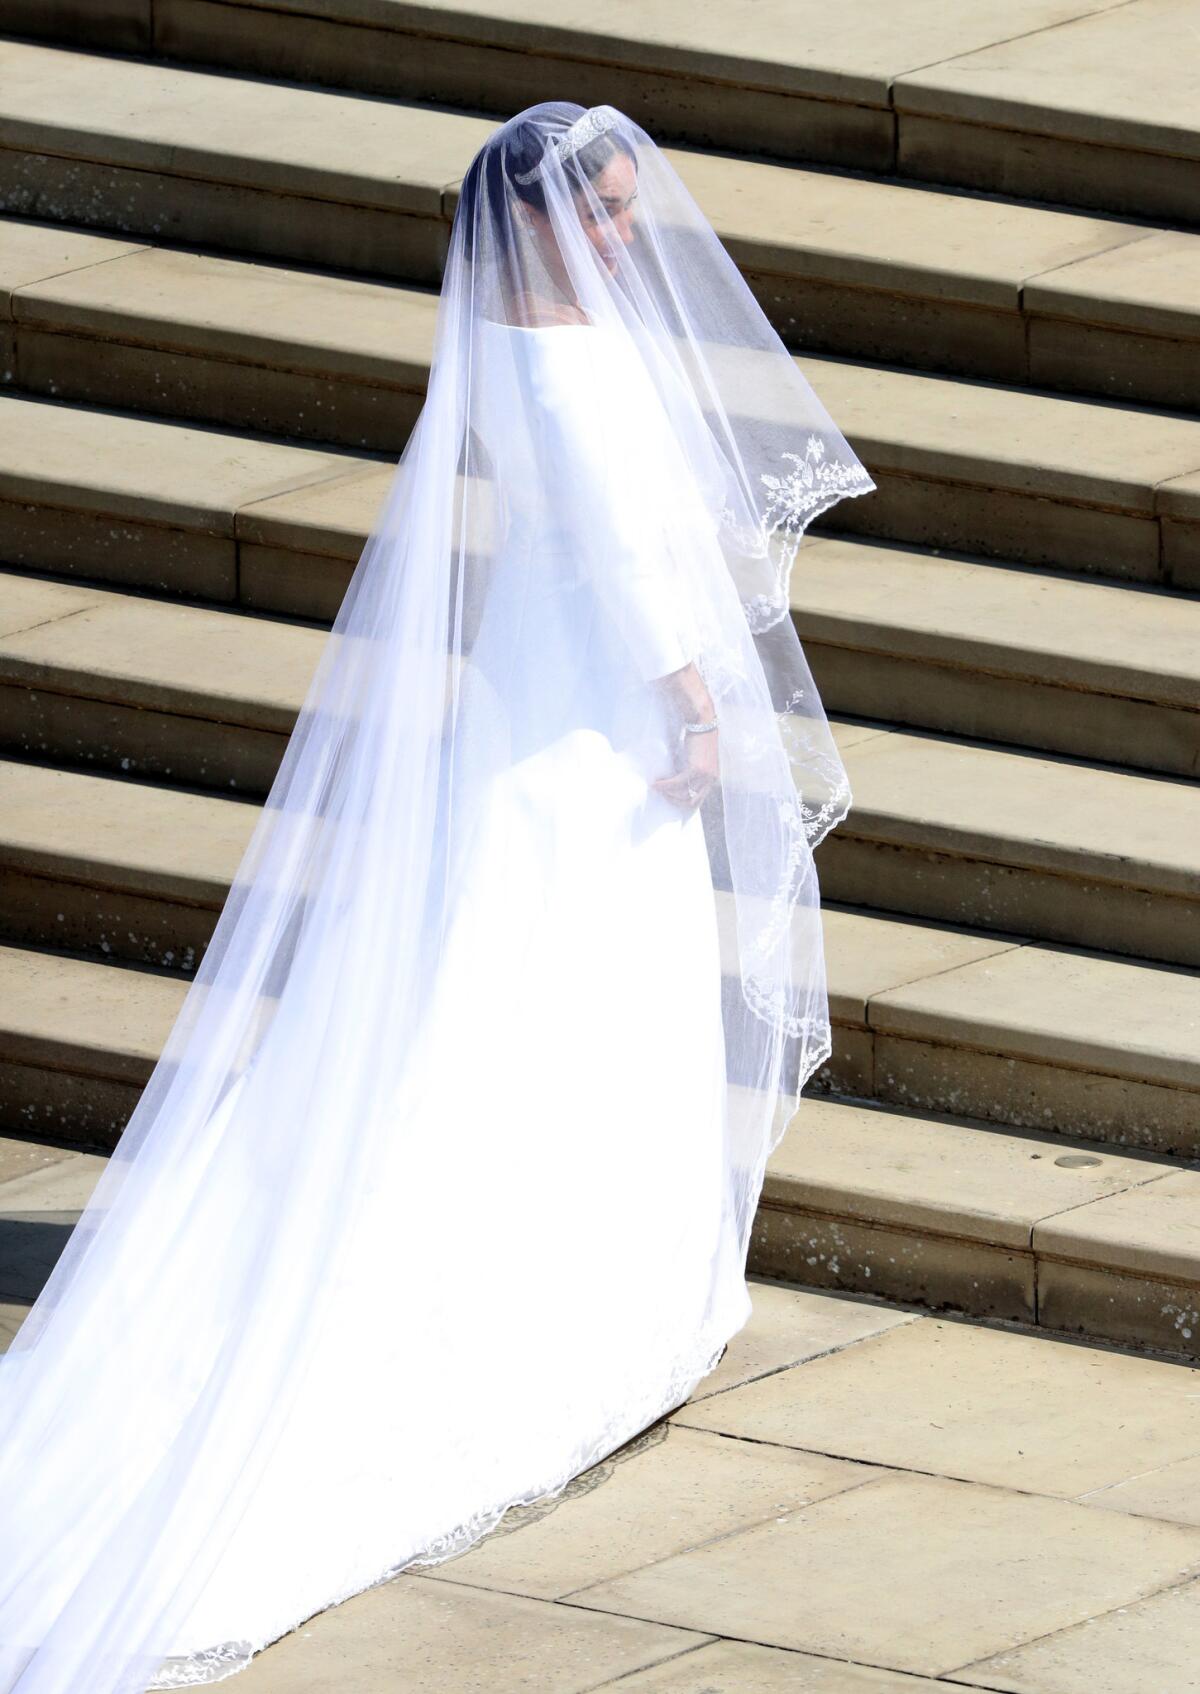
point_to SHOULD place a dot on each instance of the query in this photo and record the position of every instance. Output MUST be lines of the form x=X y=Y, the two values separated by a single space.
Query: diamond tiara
x=594 y=122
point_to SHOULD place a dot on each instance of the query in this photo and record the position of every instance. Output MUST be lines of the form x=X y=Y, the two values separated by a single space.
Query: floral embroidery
x=211 y=1665
x=797 y=497
x=794 y=499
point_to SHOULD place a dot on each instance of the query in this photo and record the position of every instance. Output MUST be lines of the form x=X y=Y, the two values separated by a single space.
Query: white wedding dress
x=443 y=1185
x=548 y=1262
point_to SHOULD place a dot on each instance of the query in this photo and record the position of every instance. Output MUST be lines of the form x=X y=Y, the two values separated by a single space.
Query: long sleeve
x=609 y=481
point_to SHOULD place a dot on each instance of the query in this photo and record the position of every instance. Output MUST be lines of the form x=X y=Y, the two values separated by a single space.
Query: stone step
x=78 y=1040
x=1011 y=653
x=905 y=1204
x=262 y=167
x=1025 y=476
x=336 y=358
x=1018 y=841
x=942 y=1018
x=125 y=683
x=930 y=1014
x=1039 y=478
x=936 y=1212
x=243 y=345
x=181 y=509
x=947 y=1213
x=996 y=1222
x=1038 y=102
x=179 y=692
x=940 y=828
x=122 y=869
x=866 y=268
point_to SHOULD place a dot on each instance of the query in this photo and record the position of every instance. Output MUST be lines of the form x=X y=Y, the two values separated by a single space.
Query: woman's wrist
x=689 y=695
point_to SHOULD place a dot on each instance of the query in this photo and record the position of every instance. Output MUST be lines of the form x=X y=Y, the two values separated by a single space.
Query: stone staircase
x=218 y=258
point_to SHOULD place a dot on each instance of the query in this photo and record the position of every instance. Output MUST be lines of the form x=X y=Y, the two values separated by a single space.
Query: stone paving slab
x=882 y=954
x=432 y=1637
x=12 y=1316
x=1008 y=1584
x=904 y=239
x=915 y=1573
x=1008 y=653
x=703 y=1488
x=833 y=84
x=903 y=252
x=145 y=501
x=984 y=1404
x=857 y=1198
x=739 y=1667
x=928 y=835
x=1097 y=642
x=1096 y=112
x=1170 y=1490
x=1066 y=448
x=789 y=228
x=27 y=602
x=37 y=1213
x=1116 y=326
x=78 y=1039
x=326 y=347
x=185 y=847
x=792 y=1324
x=1148 y=1647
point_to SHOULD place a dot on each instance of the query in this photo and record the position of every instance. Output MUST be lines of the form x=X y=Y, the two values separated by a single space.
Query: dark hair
x=516 y=149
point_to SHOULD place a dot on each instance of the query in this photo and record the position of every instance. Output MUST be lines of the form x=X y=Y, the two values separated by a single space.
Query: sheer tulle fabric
x=442 y=1187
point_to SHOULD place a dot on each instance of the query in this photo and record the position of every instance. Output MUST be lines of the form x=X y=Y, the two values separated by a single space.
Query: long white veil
x=665 y=436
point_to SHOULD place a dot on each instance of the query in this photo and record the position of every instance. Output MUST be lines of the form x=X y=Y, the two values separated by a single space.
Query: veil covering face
x=480 y=1072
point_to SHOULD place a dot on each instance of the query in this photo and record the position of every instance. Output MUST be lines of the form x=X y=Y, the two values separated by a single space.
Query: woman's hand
x=687 y=787
x=699 y=755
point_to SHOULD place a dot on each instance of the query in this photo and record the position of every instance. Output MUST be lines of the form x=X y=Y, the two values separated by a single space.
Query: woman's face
x=612 y=226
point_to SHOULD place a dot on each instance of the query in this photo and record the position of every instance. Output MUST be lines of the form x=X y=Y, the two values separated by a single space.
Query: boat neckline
x=529 y=329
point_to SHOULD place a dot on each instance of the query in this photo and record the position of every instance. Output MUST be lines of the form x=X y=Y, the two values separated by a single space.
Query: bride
x=442 y=1187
